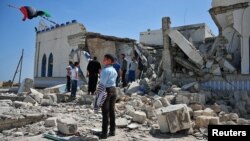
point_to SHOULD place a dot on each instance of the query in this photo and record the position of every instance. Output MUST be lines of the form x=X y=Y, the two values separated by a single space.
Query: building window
x=71 y=55
x=50 y=65
x=43 y=69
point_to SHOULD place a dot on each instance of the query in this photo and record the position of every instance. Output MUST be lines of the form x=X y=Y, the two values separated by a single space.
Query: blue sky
x=122 y=18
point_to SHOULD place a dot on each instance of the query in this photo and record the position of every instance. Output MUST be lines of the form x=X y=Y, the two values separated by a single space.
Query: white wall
x=55 y=41
x=152 y=37
x=155 y=37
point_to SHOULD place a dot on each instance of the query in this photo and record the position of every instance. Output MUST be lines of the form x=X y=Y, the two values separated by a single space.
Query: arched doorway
x=43 y=68
x=50 y=65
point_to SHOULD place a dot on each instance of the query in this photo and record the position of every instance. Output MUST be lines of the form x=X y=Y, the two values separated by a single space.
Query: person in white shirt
x=74 y=79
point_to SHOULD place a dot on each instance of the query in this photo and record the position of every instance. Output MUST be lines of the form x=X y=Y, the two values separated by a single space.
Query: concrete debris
x=55 y=89
x=37 y=96
x=29 y=99
x=67 y=125
x=121 y=122
x=173 y=118
x=133 y=88
x=26 y=85
x=19 y=104
x=139 y=116
x=50 y=122
x=187 y=98
x=133 y=126
x=86 y=100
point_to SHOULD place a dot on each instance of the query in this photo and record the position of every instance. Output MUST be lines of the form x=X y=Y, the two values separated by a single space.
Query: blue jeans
x=73 y=88
x=131 y=76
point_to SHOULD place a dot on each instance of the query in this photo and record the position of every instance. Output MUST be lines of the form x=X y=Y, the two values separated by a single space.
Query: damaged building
x=59 y=44
x=192 y=53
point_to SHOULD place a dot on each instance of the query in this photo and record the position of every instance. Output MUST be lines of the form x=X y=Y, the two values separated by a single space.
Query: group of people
x=106 y=90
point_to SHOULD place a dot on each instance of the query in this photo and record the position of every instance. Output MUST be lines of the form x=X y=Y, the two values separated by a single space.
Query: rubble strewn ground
x=172 y=114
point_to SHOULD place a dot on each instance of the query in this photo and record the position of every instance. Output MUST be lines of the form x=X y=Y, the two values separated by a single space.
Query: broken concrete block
x=187 y=47
x=155 y=129
x=121 y=122
x=50 y=122
x=36 y=95
x=86 y=100
x=241 y=121
x=149 y=111
x=226 y=65
x=164 y=102
x=196 y=107
x=208 y=112
x=157 y=104
x=67 y=125
x=18 y=134
x=216 y=108
x=215 y=70
x=173 y=118
x=197 y=113
x=133 y=126
x=25 y=86
x=19 y=104
x=133 y=88
x=45 y=102
x=5 y=103
x=209 y=63
x=29 y=99
x=233 y=116
x=204 y=121
x=129 y=110
x=139 y=116
x=187 y=98
x=214 y=121
x=55 y=89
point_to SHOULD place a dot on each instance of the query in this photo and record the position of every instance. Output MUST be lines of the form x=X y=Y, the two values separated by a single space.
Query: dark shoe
x=101 y=135
x=111 y=133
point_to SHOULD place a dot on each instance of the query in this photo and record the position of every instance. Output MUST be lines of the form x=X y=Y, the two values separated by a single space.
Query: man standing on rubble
x=124 y=70
x=93 y=70
x=132 y=70
x=117 y=67
x=69 y=68
x=106 y=93
x=74 y=79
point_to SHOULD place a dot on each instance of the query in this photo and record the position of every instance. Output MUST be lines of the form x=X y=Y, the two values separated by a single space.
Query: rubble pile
x=148 y=112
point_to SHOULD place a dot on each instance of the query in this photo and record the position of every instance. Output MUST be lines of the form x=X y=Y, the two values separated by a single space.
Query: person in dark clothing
x=69 y=68
x=108 y=80
x=74 y=80
x=117 y=67
x=93 y=70
x=124 y=70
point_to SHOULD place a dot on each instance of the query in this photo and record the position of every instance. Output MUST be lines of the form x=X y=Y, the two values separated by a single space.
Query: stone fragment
x=29 y=99
x=121 y=122
x=25 y=86
x=67 y=125
x=139 y=116
x=173 y=118
x=50 y=122
x=133 y=88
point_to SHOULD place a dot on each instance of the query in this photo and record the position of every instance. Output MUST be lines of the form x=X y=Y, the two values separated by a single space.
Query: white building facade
x=53 y=53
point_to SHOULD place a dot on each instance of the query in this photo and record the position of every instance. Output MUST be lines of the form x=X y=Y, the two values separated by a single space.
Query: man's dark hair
x=76 y=63
x=95 y=58
x=70 y=62
x=110 y=57
x=123 y=54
